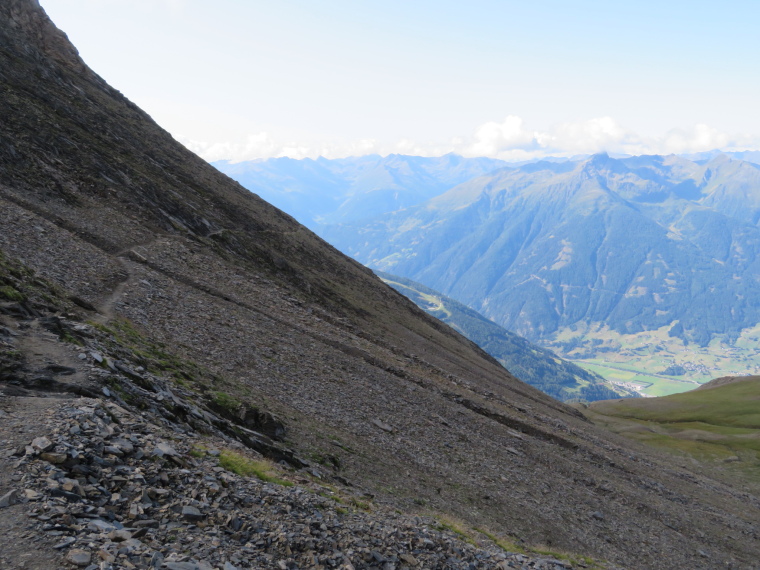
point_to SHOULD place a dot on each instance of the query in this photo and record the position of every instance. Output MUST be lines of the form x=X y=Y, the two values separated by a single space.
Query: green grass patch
x=456 y=527
x=229 y=403
x=363 y=505
x=153 y=355
x=10 y=293
x=711 y=425
x=505 y=544
x=472 y=535
x=245 y=467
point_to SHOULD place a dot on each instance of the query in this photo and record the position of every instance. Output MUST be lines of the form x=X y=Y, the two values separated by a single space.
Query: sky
x=250 y=79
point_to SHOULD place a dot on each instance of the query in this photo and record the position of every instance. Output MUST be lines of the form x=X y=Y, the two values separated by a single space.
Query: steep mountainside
x=537 y=366
x=204 y=297
x=325 y=191
x=637 y=244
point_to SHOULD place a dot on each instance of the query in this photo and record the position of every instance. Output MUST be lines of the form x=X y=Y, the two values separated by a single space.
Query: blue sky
x=244 y=79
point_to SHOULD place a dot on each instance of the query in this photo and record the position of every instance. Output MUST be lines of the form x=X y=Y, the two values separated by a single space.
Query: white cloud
x=493 y=138
x=699 y=138
x=508 y=140
x=594 y=135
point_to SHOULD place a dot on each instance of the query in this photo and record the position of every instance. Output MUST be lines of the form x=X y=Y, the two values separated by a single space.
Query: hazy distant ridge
x=325 y=191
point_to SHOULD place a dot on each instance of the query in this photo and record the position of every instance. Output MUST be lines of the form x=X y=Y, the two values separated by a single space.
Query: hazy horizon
x=245 y=80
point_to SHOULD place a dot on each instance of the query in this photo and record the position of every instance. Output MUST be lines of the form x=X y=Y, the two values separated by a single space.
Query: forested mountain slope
x=537 y=366
x=635 y=244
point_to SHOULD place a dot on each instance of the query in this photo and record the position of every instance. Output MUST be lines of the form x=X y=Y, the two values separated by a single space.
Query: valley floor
x=642 y=361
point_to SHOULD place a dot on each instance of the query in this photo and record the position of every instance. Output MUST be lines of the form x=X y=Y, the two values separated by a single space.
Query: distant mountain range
x=319 y=192
x=325 y=191
x=637 y=244
x=537 y=366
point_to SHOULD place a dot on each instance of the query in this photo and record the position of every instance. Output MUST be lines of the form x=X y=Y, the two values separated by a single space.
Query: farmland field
x=655 y=363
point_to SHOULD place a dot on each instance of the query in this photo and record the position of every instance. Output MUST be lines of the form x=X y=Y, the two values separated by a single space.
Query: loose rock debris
x=116 y=490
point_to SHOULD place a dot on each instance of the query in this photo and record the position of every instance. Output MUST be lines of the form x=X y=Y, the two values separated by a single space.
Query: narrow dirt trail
x=106 y=309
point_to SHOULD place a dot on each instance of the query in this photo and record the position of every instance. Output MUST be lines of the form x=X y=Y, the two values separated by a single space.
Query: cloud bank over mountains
x=509 y=139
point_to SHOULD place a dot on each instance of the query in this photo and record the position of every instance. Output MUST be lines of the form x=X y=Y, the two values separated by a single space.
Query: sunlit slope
x=736 y=404
x=717 y=422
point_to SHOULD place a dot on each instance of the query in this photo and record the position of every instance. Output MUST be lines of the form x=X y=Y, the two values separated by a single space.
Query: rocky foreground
x=106 y=465
x=115 y=490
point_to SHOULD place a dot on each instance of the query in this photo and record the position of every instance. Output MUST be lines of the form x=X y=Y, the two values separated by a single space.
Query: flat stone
x=192 y=514
x=106 y=556
x=99 y=525
x=79 y=557
x=66 y=542
x=156 y=560
x=41 y=444
x=139 y=258
x=119 y=535
x=54 y=458
x=123 y=445
x=32 y=495
x=383 y=426
x=164 y=449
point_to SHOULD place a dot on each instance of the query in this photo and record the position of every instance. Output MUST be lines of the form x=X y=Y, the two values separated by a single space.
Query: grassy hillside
x=719 y=422
x=537 y=366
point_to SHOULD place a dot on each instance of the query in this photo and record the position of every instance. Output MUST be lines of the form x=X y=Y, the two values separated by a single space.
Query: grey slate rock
x=192 y=514
x=10 y=498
